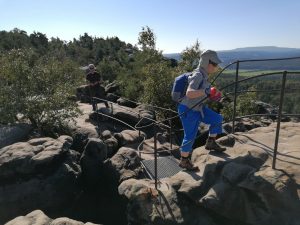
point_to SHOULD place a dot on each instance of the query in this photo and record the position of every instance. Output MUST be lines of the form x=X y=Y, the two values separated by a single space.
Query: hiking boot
x=186 y=163
x=211 y=144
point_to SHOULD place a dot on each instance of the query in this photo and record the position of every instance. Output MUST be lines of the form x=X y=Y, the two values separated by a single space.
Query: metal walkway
x=167 y=166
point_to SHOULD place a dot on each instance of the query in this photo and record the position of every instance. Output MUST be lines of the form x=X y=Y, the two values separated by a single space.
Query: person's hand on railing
x=215 y=95
x=207 y=91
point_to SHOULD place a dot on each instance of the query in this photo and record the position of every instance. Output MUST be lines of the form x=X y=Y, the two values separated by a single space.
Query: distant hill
x=176 y=56
x=265 y=48
x=262 y=52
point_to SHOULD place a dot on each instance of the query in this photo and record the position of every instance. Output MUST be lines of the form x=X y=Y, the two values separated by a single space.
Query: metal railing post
x=279 y=118
x=155 y=158
x=171 y=144
x=140 y=154
x=139 y=121
x=98 y=124
x=112 y=108
x=235 y=93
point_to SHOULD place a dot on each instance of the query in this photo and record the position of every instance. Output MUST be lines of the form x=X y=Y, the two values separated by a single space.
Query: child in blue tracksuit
x=198 y=89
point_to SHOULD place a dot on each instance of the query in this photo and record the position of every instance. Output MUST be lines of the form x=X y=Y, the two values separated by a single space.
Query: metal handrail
x=233 y=83
x=126 y=124
x=251 y=60
x=272 y=59
x=268 y=114
x=279 y=114
x=135 y=129
x=273 y=90
x=139 y=103
x=171 y=118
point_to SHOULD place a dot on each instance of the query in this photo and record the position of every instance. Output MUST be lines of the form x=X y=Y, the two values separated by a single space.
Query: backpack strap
x=201 y=83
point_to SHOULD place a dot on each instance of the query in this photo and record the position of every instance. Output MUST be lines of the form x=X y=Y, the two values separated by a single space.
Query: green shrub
x=38 y=89
x=245 y=106
x=158 y=85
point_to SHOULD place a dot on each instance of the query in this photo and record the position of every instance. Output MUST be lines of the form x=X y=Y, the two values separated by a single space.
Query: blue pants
x=191 y=120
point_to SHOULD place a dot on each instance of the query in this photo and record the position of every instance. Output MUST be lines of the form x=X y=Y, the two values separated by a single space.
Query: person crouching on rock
x=198 y=89
x=94 y=79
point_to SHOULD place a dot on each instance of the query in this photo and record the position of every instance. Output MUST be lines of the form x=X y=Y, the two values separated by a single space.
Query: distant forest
x=85 y=49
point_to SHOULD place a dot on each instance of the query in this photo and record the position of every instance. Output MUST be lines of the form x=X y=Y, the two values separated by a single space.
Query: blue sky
x=218 y=25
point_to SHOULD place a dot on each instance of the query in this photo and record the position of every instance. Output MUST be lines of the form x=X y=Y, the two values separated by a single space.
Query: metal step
x=166 y=167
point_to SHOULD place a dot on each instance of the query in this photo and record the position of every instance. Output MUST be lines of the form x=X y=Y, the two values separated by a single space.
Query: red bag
x=215 y=95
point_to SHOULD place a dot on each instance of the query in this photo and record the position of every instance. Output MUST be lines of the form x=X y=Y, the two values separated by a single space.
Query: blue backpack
x=180 y=86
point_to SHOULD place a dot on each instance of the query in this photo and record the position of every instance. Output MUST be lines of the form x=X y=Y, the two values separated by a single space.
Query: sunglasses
x=213 y=63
